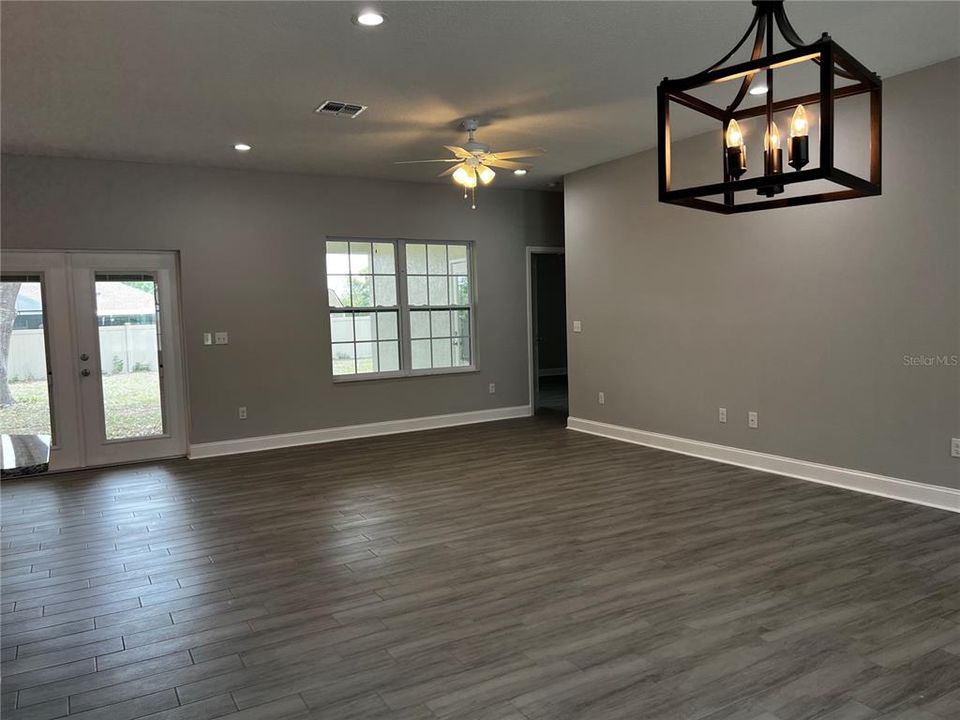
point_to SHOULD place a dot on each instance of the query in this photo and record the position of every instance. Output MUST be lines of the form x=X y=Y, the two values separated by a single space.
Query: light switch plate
x=576 y=326
x=208 y=338
x=221 y=338
x=753 y=419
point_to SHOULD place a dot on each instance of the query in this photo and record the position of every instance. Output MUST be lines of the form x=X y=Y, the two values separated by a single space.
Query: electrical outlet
x=221 y=338
x=723 y=415
x=753 y=419
x=242 y=412
x=576 y=326
x=600 y=398
x=492 y=389
x=208 y=338
x=955 y=447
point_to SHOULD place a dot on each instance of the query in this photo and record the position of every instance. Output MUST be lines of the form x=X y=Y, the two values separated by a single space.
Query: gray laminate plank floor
x=505 y=571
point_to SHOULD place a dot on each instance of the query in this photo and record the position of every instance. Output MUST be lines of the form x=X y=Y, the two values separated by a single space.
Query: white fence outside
x=123 y=348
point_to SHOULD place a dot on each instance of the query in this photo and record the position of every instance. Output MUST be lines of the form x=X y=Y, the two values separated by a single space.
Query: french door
x=94 y=356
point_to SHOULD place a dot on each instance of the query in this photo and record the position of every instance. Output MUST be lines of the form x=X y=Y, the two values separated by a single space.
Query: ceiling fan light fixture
x=369 y=18
x=472 y=164
x=465 y=176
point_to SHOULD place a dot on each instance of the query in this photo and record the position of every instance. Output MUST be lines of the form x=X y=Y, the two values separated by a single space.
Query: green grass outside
x=132 y=405
x=344 y=366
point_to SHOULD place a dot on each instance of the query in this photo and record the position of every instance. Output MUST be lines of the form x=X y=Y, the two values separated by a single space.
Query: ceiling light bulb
x=486 y=174
x=370 y=18
x=760 y=89
x=242 y=147
x=734 y=136
x=520 y=171
x=798 y=125
x=465 y=176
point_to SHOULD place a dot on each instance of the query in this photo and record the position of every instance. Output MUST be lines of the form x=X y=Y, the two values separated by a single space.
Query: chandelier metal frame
x=833 y=62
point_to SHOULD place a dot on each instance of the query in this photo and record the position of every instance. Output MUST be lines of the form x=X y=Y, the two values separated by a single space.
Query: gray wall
x=251 y=253
x=803 y=314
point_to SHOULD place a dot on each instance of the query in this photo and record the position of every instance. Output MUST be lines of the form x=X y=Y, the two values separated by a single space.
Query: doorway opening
x=547 y=323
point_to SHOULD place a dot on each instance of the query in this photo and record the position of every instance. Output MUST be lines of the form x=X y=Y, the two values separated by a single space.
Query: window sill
x=337 y=379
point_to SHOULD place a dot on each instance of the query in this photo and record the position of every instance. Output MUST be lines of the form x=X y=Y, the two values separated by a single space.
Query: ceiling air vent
x=340 y=109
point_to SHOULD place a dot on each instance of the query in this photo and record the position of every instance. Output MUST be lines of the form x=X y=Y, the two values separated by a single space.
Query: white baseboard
x=935 y=496
x=350 y=432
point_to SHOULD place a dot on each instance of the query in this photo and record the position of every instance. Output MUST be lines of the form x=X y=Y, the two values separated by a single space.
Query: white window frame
x=404 y=308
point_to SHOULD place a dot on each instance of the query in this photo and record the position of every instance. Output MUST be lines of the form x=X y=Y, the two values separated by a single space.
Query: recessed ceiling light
x=520 y=171
x=242 y=147
x=758 y=90
x=370 y=18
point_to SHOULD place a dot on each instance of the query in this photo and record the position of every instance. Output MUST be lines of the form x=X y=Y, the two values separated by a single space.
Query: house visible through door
x=549 y=320
x=90 y=365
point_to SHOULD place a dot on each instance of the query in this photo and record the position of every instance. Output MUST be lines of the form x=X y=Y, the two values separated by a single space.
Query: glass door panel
x=90 y=359
x=128 y=345
x=130 y=360
x=39 y=408
x=24 y=390
x=25 y=405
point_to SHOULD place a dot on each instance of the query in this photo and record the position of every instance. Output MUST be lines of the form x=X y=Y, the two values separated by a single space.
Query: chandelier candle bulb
x=772 y=160
x=736 y=150
x=798 y=146
x=772 y=152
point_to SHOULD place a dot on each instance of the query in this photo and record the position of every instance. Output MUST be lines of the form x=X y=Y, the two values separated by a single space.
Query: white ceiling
x=182 y=82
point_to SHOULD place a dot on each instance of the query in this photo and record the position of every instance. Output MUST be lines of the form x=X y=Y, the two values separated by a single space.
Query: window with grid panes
x=370 y=319
x=364 y=312
x=438 y=295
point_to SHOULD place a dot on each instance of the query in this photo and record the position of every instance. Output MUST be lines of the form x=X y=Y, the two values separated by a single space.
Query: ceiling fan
x=473 y=162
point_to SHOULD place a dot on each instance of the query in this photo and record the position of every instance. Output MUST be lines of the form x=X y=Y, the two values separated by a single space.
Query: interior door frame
x=69 y=451
x=531 y=321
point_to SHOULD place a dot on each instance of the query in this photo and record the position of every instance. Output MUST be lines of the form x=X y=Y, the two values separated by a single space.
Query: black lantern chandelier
x=832 y=62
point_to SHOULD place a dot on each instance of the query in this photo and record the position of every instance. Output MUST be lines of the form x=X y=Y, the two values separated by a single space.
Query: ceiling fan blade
x=451 y=170
x=414 y=162
x=506 y=164
x=529 y=152
x=460 y=152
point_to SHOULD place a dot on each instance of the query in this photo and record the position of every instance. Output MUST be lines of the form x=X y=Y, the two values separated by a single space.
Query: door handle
x=85 y=372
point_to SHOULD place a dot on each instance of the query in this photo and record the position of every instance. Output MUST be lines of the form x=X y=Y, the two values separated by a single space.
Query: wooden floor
x=505 y=571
